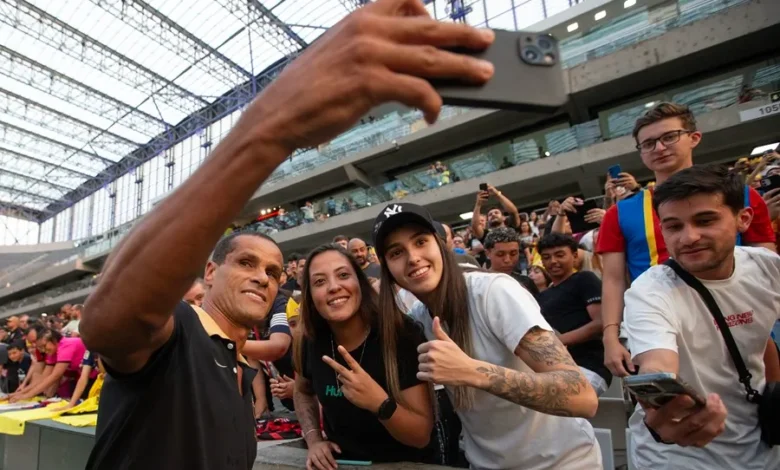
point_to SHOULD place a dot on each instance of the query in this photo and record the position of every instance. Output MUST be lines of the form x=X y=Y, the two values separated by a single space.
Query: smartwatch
x=386 y=409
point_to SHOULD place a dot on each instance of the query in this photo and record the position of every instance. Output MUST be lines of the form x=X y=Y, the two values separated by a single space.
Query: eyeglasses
x=667 y=139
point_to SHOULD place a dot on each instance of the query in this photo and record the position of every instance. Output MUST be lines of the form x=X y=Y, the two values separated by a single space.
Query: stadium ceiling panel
x=91 y=89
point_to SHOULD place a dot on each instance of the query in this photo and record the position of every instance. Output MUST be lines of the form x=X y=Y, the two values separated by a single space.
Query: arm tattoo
x=307 y=410
x=547 y=392
x=543 y=347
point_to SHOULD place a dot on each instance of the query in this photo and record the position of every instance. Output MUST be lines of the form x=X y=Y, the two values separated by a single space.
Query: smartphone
x=528 y=75
x=659 y=389
x=483 y=187
x=272 y=370
x=614 y=172
x=360 y=463
x=769 y=183
x=577 y=219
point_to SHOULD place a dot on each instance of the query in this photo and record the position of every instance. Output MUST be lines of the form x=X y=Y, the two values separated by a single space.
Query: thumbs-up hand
x=441 y=360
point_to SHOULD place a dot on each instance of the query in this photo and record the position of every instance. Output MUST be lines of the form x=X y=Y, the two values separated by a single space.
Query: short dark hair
x=702 y=179
x=294 y=257
x=501 y=235
x=556 y=240
x=225 y=244
x=340 y=238
x=663 y=111
x=18 y=344
x=51 y=335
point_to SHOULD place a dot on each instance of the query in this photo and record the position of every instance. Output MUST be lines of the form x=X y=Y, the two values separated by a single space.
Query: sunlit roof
x=84 y=83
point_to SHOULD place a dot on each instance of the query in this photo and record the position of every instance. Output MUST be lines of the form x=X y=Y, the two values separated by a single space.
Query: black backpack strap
x=712 y=305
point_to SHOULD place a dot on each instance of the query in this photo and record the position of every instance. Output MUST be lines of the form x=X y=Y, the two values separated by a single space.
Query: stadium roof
x=90 y=89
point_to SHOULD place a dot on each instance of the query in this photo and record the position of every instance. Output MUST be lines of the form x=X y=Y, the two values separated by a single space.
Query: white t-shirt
x=662 y=312
x=499 y=434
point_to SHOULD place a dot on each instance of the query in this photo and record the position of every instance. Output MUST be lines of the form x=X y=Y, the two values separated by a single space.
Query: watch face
x=387 y=409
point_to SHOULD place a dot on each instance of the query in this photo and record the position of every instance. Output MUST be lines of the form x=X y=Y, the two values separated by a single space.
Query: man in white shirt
x=701 y=210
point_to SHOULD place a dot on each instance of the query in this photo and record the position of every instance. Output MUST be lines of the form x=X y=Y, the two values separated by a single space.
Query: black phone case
x=516 y=85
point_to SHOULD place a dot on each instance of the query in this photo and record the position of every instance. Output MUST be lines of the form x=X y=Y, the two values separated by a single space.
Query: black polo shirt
x=358 y=432
x=565 y=307
x=183 y=409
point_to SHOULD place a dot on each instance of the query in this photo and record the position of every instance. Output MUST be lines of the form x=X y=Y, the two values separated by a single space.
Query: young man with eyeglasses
x=630 y=238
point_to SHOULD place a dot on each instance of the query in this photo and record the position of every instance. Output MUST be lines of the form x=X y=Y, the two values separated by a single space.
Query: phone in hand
x=614 y=171
x=527 y=75
x=659 y=389
x=577 y=219
x=769 y=183
x=483 y=186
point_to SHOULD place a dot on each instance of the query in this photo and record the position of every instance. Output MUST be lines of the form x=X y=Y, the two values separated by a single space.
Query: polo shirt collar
x=212 y=329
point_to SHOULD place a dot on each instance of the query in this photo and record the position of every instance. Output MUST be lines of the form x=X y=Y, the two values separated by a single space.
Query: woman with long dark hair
x=360 y=366
x=515 y=387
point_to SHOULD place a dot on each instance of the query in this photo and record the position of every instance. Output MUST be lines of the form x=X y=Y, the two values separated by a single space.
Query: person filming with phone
x=672 y=329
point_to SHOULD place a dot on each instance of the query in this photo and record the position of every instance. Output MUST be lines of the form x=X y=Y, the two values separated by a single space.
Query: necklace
x=333 y=355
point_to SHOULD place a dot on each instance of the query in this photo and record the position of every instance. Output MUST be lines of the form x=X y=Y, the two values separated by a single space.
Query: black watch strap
x=655 y=435
x=386 y=409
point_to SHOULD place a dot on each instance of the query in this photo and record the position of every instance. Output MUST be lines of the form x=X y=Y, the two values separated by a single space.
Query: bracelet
x=310 y=430
x=604 y=328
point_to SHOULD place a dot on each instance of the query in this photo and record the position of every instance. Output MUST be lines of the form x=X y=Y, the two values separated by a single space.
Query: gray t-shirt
x=373 y=270
x=499 y=434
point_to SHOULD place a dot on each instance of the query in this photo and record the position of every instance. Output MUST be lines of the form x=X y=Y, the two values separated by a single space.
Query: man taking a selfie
x=670 y=329
x=178 y=392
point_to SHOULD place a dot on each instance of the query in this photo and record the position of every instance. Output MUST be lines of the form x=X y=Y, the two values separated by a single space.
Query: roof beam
x=264 y=23
x=48 y=118
x=176 y=39
x=272 y=19
x=46 y=166
x=20 y=212
x=33 y=180
x=10 y=128
x=49 y=81
x=48 y=29
x=26 y=193
x=221 y=107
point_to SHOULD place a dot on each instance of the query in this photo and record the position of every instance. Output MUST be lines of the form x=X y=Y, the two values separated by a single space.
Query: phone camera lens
x=544 y=43
x=531 y=55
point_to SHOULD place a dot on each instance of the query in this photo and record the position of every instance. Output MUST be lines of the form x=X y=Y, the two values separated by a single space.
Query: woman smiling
x=360 y=366
x=515 y=387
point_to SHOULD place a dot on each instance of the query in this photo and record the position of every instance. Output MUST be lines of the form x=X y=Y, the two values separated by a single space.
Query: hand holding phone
x=684 y=423
x=614 y=172
x=656 y=390
x=527 y=75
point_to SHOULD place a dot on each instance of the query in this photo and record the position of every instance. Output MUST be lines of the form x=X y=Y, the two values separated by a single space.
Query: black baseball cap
x=400 y=214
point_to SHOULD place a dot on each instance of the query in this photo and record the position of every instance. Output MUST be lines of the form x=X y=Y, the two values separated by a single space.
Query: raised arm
x=508 y=206
x=476 y=228
x=385 y=47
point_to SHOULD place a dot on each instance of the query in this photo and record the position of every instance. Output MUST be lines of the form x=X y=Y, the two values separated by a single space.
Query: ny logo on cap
x=391 y=211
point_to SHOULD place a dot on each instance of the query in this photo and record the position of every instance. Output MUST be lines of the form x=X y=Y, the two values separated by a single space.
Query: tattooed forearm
x=543 y=347
x=307 y=409
x=549 y=392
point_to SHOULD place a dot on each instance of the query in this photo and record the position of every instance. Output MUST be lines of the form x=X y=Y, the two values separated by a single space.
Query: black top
x=291 y=285
x=358 y=432
x=15 y=372
x=565 y=307
x=183 y=409
x=14 y=335
x=373 y=270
